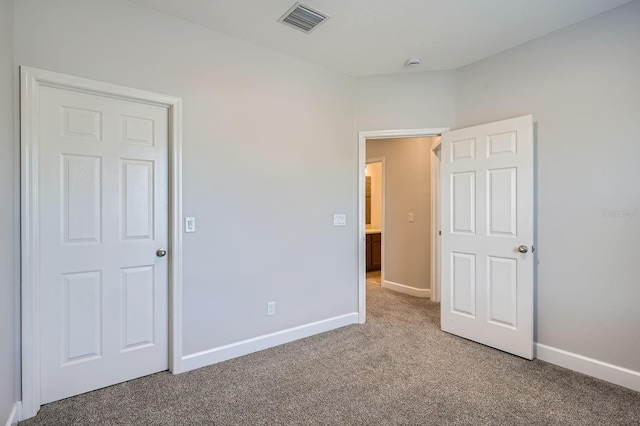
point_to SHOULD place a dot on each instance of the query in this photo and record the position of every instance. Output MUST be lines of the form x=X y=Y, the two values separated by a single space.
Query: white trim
x=435 y=222
x=362 y=157
x=31 y=81
x=362 y=237
x=403 y=133
x=601 y=370
x=245 y=347
x=175 y=237
x=15 y=415
x=411 y=291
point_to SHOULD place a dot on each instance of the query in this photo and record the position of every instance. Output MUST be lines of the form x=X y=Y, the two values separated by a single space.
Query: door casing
x=32 y=80
x=362 y=160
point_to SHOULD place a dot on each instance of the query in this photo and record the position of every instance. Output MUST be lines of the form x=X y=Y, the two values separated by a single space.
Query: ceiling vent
x=303 y=18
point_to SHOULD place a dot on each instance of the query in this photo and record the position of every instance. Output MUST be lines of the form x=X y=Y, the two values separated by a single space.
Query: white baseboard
x=589 y=366
x=16 y=414
x=234 y=350
x=412 y=291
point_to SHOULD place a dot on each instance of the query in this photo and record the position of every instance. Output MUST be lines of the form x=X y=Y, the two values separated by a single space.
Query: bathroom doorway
x=374 y=195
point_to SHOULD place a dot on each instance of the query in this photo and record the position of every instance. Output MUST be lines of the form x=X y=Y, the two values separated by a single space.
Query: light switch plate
x=189 y=224
x=410 y=217
x=339 y=220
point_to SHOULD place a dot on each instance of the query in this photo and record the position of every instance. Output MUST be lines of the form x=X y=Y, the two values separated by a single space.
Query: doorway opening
x=399 y=214
x=374 y=205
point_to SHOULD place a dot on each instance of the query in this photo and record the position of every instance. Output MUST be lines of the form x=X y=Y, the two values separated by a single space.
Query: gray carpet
x=399 y=368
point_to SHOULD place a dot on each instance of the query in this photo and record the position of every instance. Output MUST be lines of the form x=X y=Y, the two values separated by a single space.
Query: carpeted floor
x=397 y=369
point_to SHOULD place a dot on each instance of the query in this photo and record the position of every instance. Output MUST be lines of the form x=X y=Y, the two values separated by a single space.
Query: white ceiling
x=368 y=37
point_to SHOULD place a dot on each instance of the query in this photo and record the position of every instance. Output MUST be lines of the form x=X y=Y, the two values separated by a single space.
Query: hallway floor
x=374 y=277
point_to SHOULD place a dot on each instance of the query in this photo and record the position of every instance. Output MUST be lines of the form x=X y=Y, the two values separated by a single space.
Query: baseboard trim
x=245 y=347
x=601 y=370
x=16 y=414
x=412 y=291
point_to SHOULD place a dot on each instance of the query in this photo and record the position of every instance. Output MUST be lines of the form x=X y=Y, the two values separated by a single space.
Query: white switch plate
x=410 y=217
x=271 y=308
x=339 y=220
x=189 y=224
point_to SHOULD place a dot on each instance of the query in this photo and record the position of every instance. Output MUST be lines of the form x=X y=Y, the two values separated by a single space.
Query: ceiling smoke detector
x=303 y=18
x=413 y=62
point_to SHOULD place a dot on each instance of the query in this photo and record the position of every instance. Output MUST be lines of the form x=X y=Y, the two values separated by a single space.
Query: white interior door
x=103 y=211
x=487 y=234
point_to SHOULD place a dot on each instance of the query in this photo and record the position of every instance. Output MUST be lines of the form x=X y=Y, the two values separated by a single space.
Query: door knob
x=523 y=249
x=161 y=253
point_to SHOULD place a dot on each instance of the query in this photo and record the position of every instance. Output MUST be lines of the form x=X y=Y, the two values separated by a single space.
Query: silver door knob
x=523 y=249
x=161 y=253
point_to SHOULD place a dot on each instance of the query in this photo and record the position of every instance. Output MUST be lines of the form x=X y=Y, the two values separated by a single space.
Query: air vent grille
x=303 y=18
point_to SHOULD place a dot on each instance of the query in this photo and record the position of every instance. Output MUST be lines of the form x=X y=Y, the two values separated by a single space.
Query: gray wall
x=407 y=180
x=269 y=156
x=412 y=100
x=7 y=214
x=582 y=85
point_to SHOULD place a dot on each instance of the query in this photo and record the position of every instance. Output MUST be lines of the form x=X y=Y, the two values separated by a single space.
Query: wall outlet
x=339 y=220
x=271 y=308
x=410 y=217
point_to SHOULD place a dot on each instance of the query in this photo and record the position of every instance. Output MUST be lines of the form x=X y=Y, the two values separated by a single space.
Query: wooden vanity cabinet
x=373 y=249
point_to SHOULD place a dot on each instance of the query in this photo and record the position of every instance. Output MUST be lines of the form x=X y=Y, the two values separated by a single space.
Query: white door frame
x=435 y=222
x=31 y=81
x=362 y=159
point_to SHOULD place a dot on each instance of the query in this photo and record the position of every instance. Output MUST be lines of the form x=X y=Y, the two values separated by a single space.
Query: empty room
x=185 y=237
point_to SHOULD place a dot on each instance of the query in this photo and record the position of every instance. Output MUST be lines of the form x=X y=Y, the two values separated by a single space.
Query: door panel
x=82 y=333
x=463 y=199
x=487 y=213
x=137 y=198
x=137 y=292
x=501 y=291
x=501 y=202
x=463 y=283
x=81 y=196
x=103 y=186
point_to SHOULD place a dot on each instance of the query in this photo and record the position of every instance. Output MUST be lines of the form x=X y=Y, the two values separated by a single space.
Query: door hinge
x=439 y=232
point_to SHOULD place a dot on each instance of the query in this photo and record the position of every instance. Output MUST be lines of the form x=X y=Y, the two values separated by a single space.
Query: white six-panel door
x=103 y=211
x=487 y=234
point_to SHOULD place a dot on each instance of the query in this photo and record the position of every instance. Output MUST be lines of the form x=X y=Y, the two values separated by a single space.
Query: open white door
x=487 y=234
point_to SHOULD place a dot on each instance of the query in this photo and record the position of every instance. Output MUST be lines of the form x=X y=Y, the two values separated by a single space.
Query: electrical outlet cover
x=339 y=220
